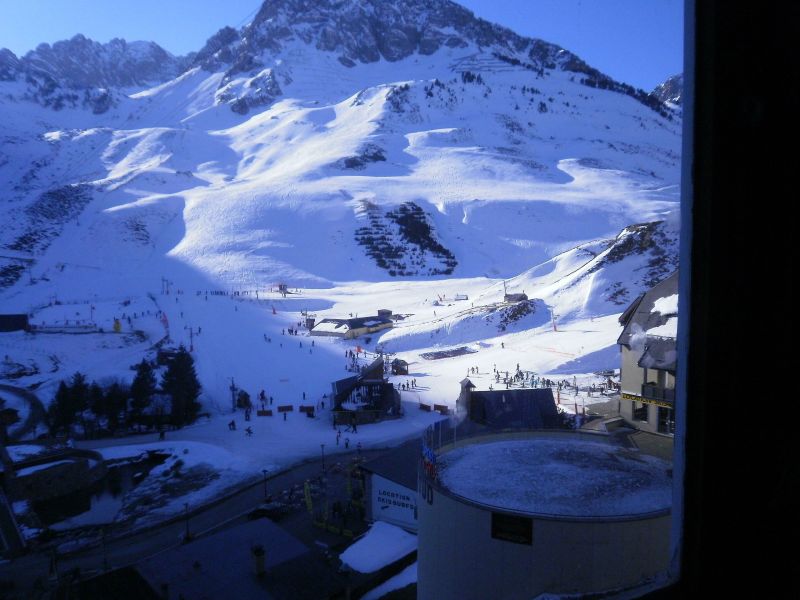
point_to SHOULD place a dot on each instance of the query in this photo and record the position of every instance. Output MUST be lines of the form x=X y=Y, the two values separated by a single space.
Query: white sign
x=394 y=503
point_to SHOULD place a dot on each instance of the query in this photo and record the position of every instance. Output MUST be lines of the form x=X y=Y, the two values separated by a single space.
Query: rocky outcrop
x=671 y=90
x=80 y=72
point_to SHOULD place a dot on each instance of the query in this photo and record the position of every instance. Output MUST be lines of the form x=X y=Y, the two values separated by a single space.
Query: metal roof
x=398 y=465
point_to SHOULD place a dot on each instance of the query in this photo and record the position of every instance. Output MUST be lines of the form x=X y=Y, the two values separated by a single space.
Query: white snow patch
x=381 y=545
x=405 y=577
x=667 y=305
x=22 y=451
x=35 y=468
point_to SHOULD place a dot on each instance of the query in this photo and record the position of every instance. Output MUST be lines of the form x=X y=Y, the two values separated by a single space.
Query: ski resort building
x=399 y=367
x=649 y=358
x=532 y=408
x=351 y=328
x=18 y=322
x=515 y=515
x=365 y=398
x=515 y=297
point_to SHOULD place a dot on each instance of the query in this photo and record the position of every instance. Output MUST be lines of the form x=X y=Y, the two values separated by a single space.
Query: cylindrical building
x=515 y=515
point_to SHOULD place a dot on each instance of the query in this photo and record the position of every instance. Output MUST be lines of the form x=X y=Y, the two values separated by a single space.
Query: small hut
x=399 y=367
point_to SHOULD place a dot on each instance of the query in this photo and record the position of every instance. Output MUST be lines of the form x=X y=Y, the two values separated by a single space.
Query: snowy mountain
x=368 y=31
x=80 y=72
x=371 y=154
x=670 y=90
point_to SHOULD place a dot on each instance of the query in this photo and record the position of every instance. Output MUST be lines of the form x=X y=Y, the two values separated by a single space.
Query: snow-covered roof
x=344 y=325
x=332 y=326
x=564 y=477
x=20 y=452
x=668 y=329
x=382 y=545
x=659 y=353
x=658 y=306
x=42 y=467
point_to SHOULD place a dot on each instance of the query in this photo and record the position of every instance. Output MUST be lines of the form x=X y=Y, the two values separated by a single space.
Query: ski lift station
x=353 y=327
x=519 y=514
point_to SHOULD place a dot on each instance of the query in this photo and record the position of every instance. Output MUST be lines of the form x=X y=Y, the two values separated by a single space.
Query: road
x=131 y=548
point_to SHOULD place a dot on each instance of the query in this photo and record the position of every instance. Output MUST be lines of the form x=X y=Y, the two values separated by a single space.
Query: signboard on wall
x=394 y=503
x=634 y=398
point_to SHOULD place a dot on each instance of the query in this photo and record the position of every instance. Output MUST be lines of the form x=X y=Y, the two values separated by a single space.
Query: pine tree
x=142 y=389
x=79 y=393
x=59 y=413
x=79 y=399
x=97 y=400
x=181 y=383
x=116 y=404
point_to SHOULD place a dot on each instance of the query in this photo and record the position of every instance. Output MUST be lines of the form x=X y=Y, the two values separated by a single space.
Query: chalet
x=351 y=328
x=515 y=297
x=649 y=358
x=524 y=408
x=365 y=398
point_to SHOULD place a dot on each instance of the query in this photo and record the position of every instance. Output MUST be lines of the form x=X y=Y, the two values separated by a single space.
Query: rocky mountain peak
x=671 y=90
x=83 y=72
x=83 y=63
x=365 y=31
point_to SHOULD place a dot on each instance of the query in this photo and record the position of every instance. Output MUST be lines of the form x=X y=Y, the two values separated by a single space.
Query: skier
x=249 y=431
x=346 y=443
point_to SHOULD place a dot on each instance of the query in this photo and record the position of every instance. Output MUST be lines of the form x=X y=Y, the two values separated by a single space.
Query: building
x=351 y=328
x=399 y=367
x=649 y=358
x=515 y=297
x=530 y=408
x=391 y=486
x=224 y=565
x=365 y=398
x=520 y=514
x=14 y=323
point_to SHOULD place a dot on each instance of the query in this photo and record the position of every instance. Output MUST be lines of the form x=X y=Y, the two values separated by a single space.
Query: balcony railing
x=654 y=392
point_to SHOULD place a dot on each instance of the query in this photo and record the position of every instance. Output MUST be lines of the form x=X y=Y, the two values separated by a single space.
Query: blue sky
x=636 y=41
